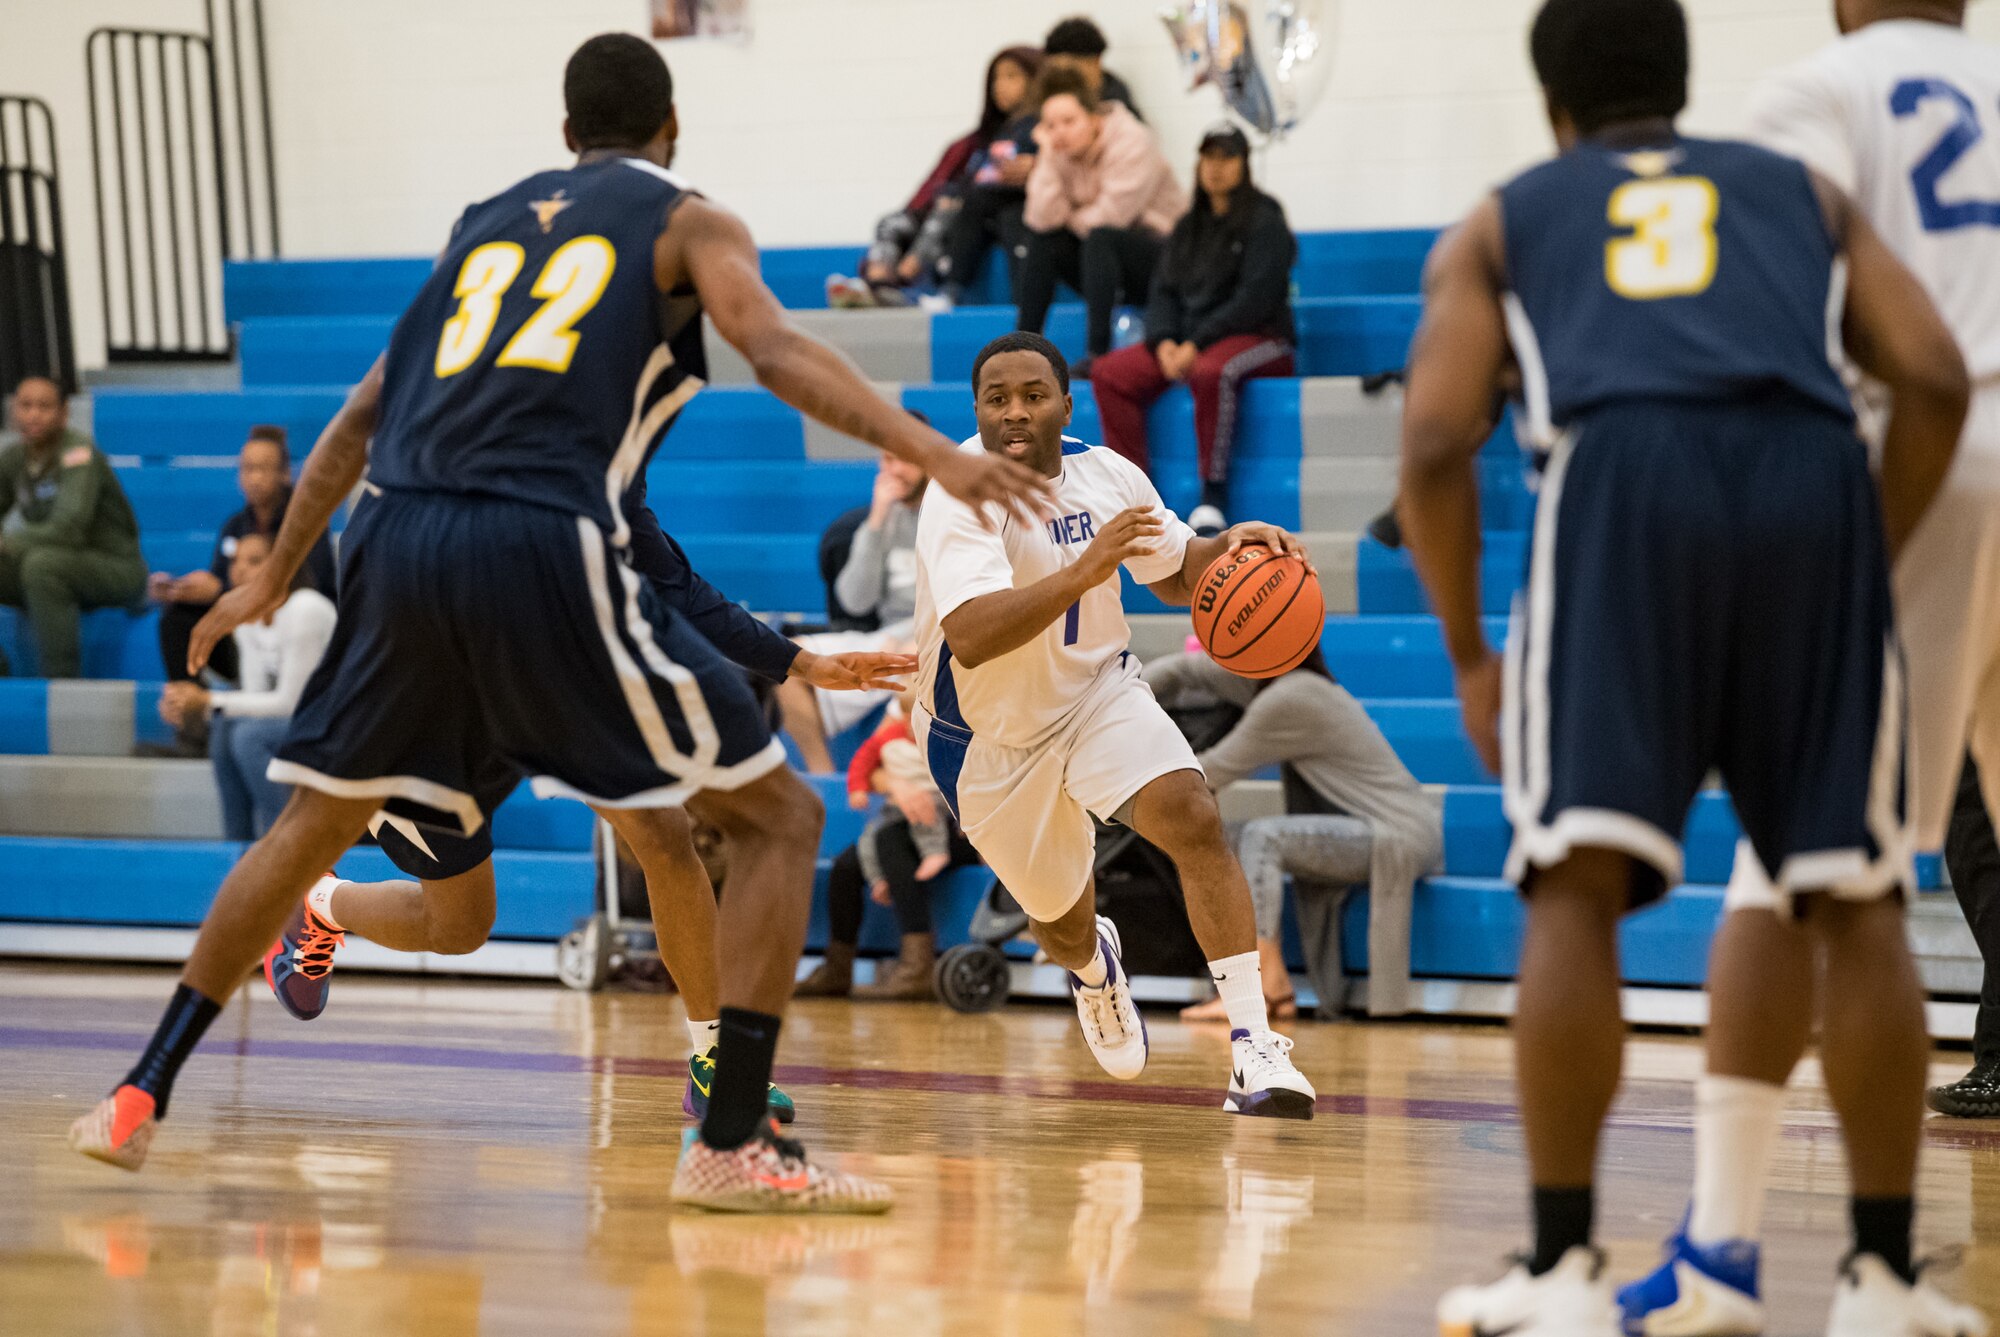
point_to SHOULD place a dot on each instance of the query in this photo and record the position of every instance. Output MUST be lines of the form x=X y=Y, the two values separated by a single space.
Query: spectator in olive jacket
x=68 y=539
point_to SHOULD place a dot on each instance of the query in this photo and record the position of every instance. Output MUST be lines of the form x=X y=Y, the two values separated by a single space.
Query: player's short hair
x=274 y=435
x=1021 y=341
x=1604 y=61
x=617 y=92
x=1056 y=80
x=1075 y=37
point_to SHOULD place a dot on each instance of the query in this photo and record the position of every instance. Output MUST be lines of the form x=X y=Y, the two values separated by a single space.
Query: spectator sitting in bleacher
x=1354 y=814
x=904 y=848
x=877 y=582
x=274 y=659
x=1079 y=44
x=264 y=474
x=1220 y=314
x=920 y=244
x=1101 y=201
x=68 y=538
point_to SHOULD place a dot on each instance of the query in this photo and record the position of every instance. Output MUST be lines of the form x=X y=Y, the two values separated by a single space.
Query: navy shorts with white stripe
x=1708 y=590
x=476 y=630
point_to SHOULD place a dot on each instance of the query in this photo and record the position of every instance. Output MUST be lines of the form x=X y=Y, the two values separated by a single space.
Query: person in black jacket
x=1220 y=313
x=1079 y=44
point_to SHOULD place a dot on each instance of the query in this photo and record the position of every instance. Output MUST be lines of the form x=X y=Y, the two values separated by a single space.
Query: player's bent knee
x=1182 y=812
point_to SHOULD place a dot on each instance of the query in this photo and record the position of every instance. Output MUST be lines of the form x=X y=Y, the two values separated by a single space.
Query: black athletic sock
x=181 y=1028
x=1882 y=1226
x=1563 y=1219
x=1216 y=495
x=740 y=1098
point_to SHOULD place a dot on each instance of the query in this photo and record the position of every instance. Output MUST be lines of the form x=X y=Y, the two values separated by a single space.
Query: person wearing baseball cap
x=1220 y=313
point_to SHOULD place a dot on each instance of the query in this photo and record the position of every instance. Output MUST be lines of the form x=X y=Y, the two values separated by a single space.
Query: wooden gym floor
x=451 y=1158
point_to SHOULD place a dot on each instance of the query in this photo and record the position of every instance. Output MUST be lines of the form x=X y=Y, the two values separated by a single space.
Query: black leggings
x=176 y=627
x=847 y=890
x=1973 y=857
x=1112 y=262
x=989 y=215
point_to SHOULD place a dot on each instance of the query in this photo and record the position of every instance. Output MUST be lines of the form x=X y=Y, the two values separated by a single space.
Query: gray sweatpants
x=1325 y=858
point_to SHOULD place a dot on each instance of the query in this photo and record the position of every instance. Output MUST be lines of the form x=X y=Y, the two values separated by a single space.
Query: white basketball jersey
x=1905 y=117
x=1022 y=697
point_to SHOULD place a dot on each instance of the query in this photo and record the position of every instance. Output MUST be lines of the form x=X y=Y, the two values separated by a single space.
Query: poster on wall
x=700 y=18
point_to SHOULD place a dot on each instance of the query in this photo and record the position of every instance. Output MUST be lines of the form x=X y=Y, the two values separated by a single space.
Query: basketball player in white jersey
x=1903 y=115
x=1033 y=716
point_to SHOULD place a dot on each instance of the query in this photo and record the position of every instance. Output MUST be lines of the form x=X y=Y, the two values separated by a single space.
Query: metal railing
x=35 y=337
x=184 y=168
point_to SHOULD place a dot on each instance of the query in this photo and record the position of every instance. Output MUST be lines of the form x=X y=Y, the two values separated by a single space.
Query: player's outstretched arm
x=1456 y=364
x=710 y=248
x=1896 y=335
x=332 y=469
x=996 y=624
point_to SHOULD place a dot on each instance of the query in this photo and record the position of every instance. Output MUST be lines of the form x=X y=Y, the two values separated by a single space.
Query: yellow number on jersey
x=1672 y=250
x=482 y=280
x=571 y=281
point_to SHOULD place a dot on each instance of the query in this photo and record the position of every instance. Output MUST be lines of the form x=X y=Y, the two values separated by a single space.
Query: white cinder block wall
x=391 y=115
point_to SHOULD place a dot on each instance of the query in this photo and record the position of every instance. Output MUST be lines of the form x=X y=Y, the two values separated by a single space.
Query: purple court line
x=872 y=1079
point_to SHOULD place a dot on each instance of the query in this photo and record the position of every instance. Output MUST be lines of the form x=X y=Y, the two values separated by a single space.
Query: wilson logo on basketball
x=1259 y=613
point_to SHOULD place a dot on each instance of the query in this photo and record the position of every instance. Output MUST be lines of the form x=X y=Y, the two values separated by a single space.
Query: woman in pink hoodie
x=1101 y=201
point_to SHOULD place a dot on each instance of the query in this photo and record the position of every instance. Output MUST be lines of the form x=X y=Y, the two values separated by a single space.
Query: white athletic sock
x=703 y=1034
x=1239 y=980
x=1095 y=975
x=1736 y=1123
x=320 y=900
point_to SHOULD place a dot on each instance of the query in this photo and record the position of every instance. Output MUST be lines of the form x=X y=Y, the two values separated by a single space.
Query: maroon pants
x=1128 y=381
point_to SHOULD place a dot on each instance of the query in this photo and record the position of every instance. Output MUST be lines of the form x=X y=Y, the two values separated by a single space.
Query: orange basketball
x=1258 y=614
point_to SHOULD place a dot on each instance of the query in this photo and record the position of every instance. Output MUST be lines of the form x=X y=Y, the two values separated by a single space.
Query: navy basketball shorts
x=476 y=632
x=1708 y=592
x=430 y=853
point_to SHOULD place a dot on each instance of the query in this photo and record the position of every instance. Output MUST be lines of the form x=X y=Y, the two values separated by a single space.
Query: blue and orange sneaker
x=119 y=1131
x=299 y=962
x=701 y=1076
x=1698 y=1290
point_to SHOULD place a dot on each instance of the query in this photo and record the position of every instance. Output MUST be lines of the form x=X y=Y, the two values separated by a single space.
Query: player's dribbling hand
x=1132 y=532
x=979 y=479
x=246 y=603
x=1479 y=698
x=1269 y=536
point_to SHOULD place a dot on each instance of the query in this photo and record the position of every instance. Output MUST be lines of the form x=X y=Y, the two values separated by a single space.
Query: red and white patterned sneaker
x=119 y=1131
x=768 y=1174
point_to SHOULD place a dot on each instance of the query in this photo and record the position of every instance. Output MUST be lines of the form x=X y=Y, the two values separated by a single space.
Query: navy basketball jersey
x=1703 y=270
x=540 y=361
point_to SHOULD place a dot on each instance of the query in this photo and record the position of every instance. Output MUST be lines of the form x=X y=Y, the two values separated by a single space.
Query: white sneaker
x=1573 y=1299
x=1872 y=1301
x=1262 y=1080
x=1207 y=521
x=1111 y=1020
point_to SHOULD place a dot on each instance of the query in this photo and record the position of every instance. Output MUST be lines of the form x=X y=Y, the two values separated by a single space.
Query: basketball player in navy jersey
x=449 y=908
x=489 y=610
x=1707 y=589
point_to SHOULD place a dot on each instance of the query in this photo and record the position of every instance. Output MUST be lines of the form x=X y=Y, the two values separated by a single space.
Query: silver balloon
x=1188 y=27
x=1271 y=58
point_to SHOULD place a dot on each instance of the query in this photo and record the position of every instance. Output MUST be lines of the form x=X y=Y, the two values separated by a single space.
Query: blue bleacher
x=730 y=484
